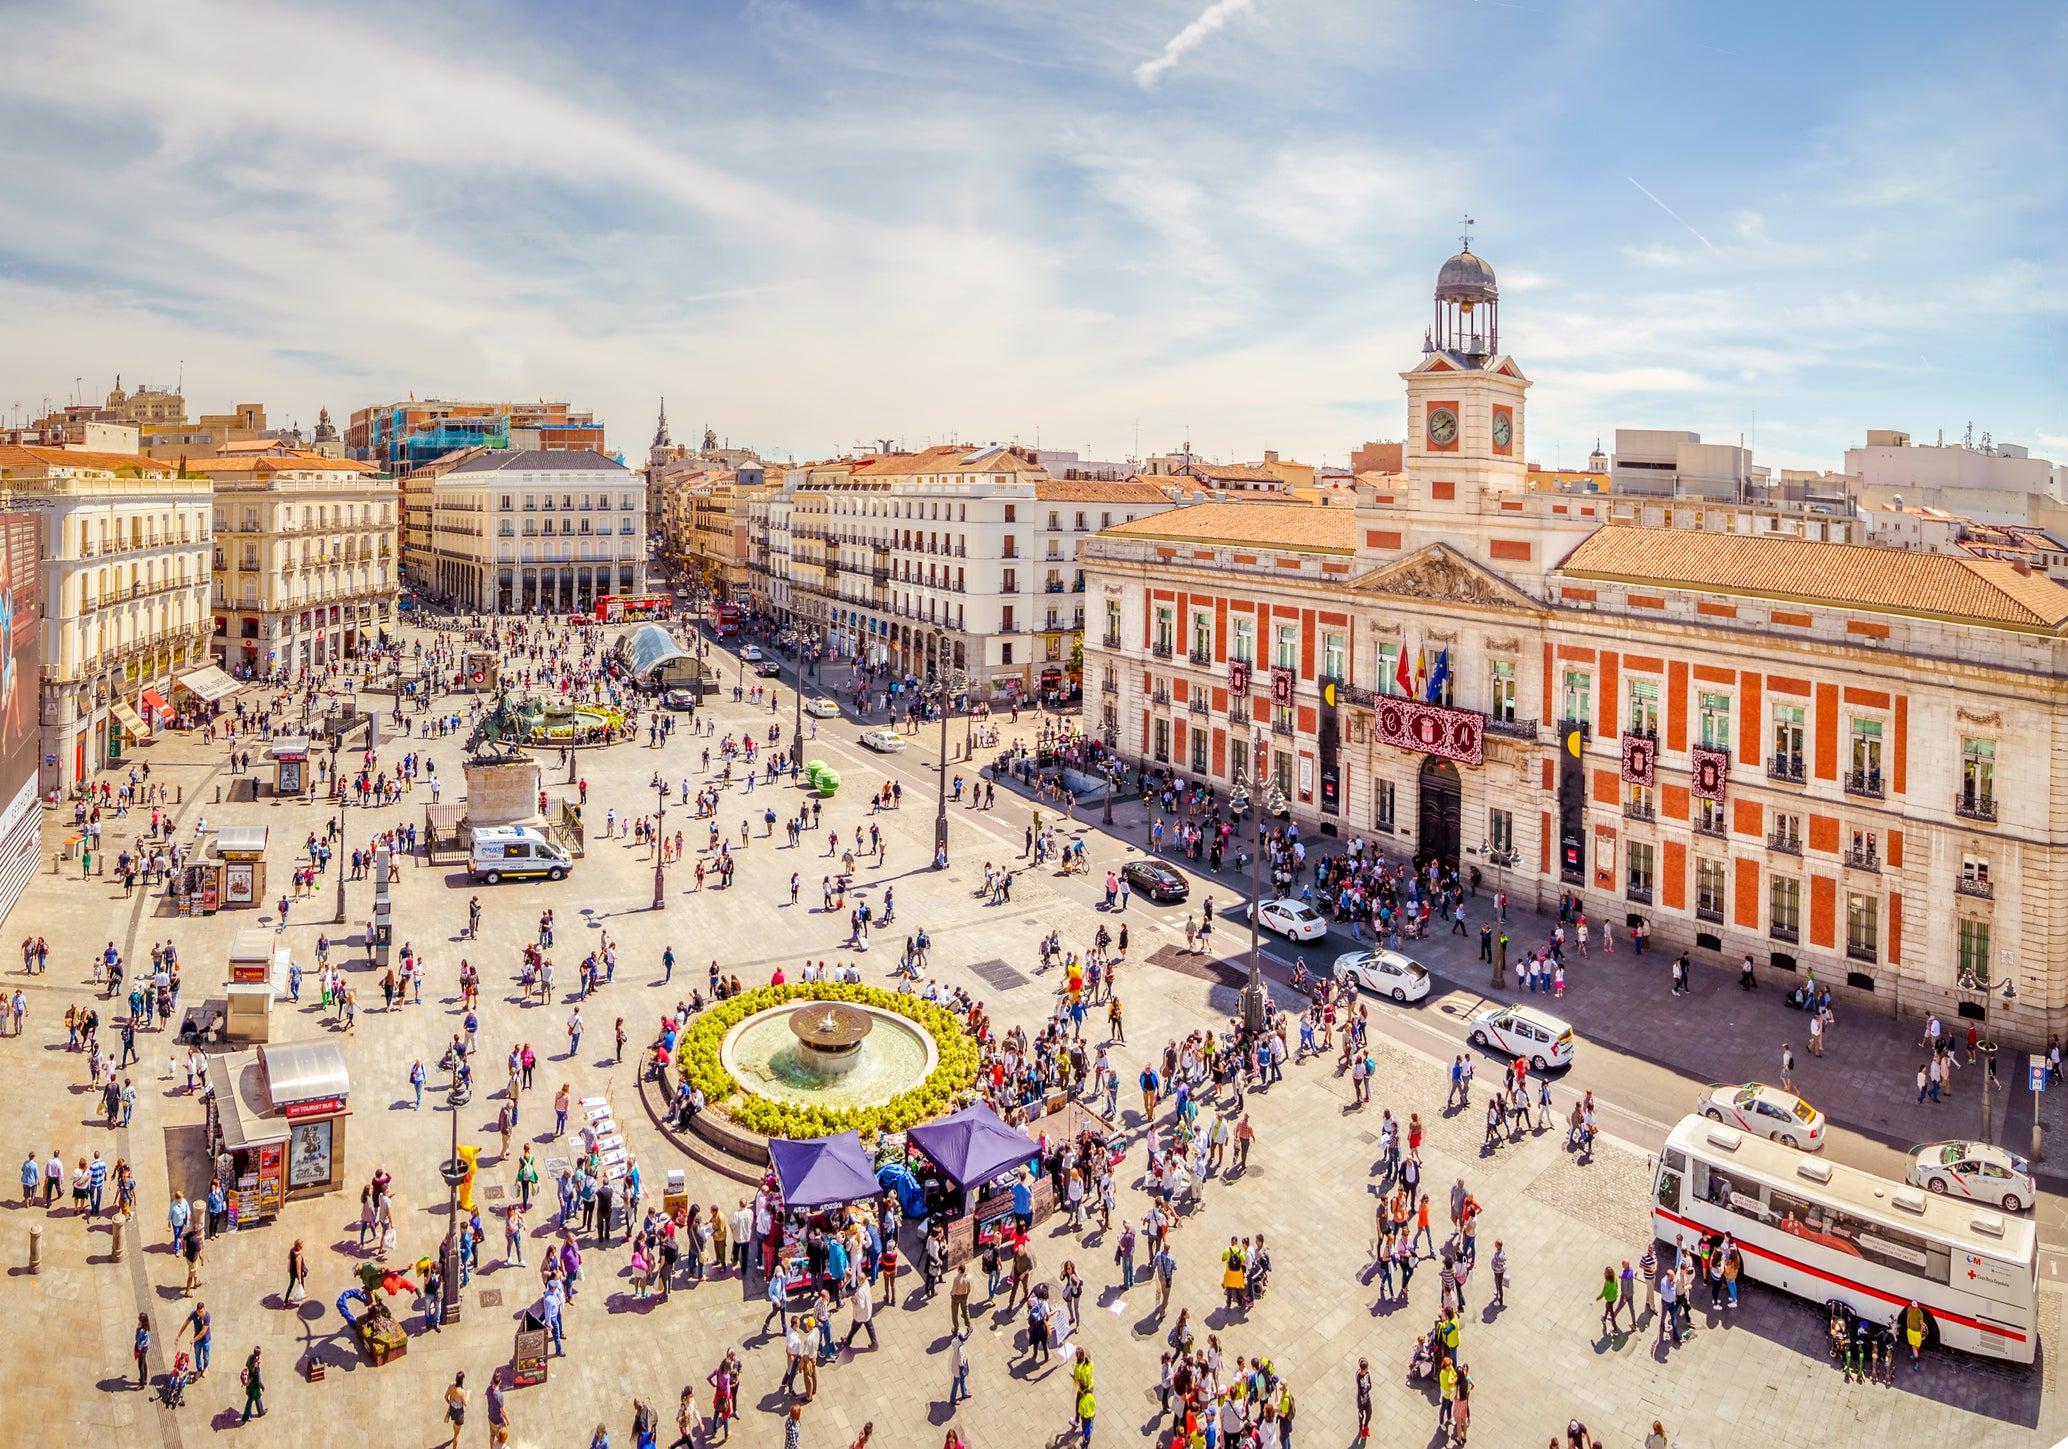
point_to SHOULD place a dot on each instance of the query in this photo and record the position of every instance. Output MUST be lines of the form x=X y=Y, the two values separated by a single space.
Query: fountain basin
x=827 y=1054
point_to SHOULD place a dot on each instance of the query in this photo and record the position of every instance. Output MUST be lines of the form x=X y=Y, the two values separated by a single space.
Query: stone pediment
x=1441 y=574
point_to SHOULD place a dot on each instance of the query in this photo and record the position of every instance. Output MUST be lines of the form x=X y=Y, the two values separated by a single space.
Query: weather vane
x=1465 y=237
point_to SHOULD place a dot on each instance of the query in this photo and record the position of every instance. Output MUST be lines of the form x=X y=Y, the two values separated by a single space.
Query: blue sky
x=812 y=224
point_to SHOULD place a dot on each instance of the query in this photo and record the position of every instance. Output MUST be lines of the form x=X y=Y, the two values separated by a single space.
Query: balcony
x=1078 y=587
x=1859 y=859
x=1786 y=844
x=1642 y=894
x=1282 y=728
x=1864 y=783
x=1203 y=658
x=1784 y=769
x=1162 y=649
x=1712 y=828
x=1970 y=806
x=1112 y=640
x=1637 y=810
x=1197 y=704
x=1109 y=686
x=1514 y=729
x=1788 y=934
x=1237 y=715
x=1860 y=951
x=1052 y=588
x=1712 y=914
x=1159 y=696
x=1968 y=885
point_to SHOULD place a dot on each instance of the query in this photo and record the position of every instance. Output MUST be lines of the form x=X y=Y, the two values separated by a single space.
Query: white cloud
x=1212 y=18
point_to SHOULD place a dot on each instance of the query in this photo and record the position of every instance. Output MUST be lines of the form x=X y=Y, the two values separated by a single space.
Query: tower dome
x=1466 y=278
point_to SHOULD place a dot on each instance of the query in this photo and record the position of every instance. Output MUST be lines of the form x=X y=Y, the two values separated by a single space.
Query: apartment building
x=124 y=591
x=399 y=436
x=538 y=531
x=968 y=554
x=304 y=566
x=1819 y=754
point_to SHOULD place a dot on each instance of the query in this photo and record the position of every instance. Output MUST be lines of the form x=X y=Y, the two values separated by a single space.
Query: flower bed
x=697 y=1057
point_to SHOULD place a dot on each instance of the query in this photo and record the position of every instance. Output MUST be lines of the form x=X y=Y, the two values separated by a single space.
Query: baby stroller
x=176 y=1382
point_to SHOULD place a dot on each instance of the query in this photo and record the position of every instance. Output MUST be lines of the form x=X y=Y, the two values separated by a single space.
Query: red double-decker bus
x=726 y=619
x=614 y=608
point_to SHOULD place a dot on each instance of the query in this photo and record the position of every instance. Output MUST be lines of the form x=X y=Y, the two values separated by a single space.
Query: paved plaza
x=1756 y=1376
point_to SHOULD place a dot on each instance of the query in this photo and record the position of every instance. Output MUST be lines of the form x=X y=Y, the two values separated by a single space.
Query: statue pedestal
x=504 y=792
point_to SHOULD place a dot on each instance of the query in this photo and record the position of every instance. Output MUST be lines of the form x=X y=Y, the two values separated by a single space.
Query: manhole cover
x=493 y=1192
x=557 y=1166
x=491 y=1298
x=1365 y=1137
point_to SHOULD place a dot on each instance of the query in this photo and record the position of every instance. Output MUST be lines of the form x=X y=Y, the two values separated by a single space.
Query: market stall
x=243 y=852
x=822 y=1172
x=259 y=967
x=977 y=1162
x=276 y=1125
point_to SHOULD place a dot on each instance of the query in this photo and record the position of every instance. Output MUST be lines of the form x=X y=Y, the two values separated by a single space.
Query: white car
x=1976 y=1171
x=1294 y=920
x=1522 y=1031
x=1764 y=1112
x=1388 y=973
x=822 y=708
x=751 y=653
x=886 y=741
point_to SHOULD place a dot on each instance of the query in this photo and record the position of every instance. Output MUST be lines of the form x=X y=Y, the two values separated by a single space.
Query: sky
x=815 y=224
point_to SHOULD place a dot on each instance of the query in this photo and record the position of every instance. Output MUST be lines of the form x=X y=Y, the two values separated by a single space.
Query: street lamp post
x=454 y=1172
x=660 y=843
x=1255 y=995
x=337 y=789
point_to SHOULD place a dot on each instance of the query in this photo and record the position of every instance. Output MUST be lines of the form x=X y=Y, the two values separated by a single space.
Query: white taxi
x=1764 y=1112
x=1522 y=1031
x=1386 y=973
x=822 y=708
x=1294 y=920
x=1978 y=1171
x=883 y=741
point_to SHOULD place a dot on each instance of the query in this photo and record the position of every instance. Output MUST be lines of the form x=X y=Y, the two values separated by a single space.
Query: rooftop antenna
x=180 y=387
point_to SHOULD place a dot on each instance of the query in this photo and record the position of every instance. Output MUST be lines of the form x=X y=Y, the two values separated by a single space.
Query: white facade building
x=545 y=531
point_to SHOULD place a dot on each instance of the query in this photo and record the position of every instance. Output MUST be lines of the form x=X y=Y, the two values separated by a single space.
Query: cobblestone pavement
x=1757 y=1377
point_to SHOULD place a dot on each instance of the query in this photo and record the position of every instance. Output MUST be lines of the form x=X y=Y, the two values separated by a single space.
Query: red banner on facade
x=1712 y=771
x=1432 y=729
x=1640 y=759
x=1282 y=683
x=1238 y=678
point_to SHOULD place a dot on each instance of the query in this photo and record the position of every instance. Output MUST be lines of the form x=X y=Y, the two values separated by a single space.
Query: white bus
x=1825 y=1231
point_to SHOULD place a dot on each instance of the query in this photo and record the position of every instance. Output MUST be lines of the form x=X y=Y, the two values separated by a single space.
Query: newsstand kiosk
x=276 y=1125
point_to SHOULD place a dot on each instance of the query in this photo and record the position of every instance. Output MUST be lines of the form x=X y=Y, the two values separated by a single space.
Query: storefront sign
x=1431 y=729
x=316 y=1107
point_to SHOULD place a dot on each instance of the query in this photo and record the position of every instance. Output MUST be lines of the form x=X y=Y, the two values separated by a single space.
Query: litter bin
x=529 y=1363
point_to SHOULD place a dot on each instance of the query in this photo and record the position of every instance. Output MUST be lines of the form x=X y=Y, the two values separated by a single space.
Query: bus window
x=1669 y=1175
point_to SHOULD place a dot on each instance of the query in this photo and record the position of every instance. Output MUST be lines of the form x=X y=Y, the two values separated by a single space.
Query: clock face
x=1443 y=427
x=1504 y=430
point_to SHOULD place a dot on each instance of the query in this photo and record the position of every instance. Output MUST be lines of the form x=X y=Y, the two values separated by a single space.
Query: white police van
x=516 y=850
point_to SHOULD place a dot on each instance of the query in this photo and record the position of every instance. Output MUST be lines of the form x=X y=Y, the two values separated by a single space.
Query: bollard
x=218 y=795
x=117 y=1235
x=36 y=1248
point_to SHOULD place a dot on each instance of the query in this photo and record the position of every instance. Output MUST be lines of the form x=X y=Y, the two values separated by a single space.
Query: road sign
x=2039 y=1076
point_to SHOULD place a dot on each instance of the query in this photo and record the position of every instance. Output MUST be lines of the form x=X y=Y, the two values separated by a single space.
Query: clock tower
x=1465 y=400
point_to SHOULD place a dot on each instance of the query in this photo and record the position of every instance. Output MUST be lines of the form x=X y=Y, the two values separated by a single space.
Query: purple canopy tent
x=824 y=1171
x=972 y=1146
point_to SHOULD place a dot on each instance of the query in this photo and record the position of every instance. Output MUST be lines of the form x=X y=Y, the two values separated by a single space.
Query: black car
x=768 y=669
x=1157 y=882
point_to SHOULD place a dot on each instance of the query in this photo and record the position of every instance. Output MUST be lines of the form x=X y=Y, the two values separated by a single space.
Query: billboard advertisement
x=21 y=649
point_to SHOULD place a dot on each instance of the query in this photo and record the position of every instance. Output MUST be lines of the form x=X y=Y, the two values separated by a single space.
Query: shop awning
x=129 y=719
x=304 y=1072
x=972 y=1146
x=241 y=840
x=156 y=701
x=209 y=684
x=240 y=1101
x=824 y=1171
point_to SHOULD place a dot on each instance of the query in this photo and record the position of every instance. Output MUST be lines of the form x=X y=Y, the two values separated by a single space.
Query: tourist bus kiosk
x=243 y=852
x=276 y=1125
x=259 y=967
x=290 y=757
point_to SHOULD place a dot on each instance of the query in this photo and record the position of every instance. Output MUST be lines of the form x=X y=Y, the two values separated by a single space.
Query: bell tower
x=1465 y=400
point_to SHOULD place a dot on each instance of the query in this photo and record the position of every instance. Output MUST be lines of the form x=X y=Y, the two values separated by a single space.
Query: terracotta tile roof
x=1844 y=575
x=1303 y=527
x=1090 y=490
x=13 y=456
x=1234 y=472
x=945 y=458
x=278 y=463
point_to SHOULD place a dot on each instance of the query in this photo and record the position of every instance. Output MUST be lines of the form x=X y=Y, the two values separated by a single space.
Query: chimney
x=2024 y=569
x=1270 y=455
